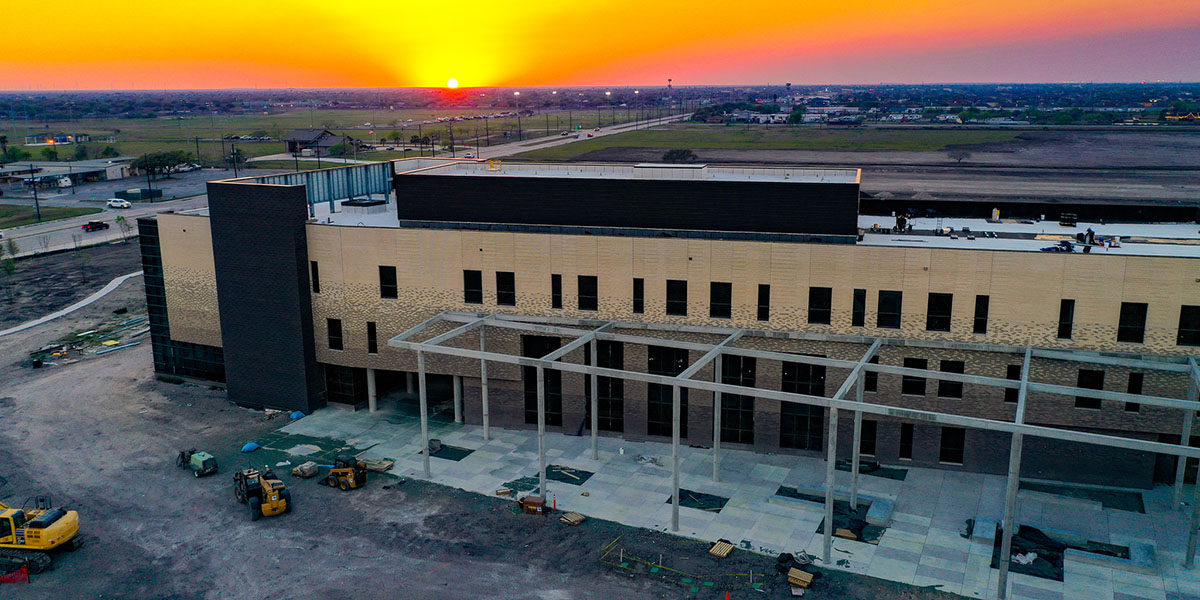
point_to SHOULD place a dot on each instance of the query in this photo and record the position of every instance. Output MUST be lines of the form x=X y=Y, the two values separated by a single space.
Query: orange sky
x=387 y=43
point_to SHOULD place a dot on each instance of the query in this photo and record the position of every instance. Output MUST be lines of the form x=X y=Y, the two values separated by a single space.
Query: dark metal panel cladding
x=705 y=205
x=260 y=250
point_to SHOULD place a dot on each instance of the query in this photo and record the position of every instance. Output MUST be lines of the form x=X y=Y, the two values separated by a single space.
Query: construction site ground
x=100 y=433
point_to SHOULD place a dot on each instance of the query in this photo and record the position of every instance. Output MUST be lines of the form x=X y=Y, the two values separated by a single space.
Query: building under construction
x=593 y=299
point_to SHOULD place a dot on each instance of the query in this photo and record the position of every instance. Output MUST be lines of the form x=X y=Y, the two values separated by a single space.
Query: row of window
x=1131 y=325
x=799 y=378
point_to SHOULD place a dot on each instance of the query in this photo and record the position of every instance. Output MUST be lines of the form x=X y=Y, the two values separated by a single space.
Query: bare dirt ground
x=43 y=285
x=100 y=436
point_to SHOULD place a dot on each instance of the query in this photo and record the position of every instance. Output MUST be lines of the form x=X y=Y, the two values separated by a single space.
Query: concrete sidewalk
x=923 y=544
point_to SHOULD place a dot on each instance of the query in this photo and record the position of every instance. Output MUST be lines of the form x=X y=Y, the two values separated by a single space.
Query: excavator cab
x=347 y=473
x=265 y=494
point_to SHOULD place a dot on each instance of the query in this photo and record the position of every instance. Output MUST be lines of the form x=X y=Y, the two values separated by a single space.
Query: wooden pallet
x=572 y=518
x=799 y=578
x=721 y=549
x=378 y=465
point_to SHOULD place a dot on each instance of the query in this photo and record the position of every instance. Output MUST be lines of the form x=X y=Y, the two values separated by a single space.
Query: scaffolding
x=587 y=331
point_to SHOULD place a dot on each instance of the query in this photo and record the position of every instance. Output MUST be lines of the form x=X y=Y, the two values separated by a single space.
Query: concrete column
x=372 y=397
x=541 y=423
x=483 y=379
x=1010 y=513
x=675 y=458
x=1184 y=440
x=1190 y=558
x=830 y=460
x=717 y=421
x=457 y=384
x=1181 y=463
x=856 y=459
x=424 y=411
x=595 y=404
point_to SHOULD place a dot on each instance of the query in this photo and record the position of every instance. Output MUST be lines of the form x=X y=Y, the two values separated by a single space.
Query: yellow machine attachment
x=27 y=535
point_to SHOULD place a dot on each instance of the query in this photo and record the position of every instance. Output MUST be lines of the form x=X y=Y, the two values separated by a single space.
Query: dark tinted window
x=315 y=276
x=802 y=426
x=737 y=411
x=906 y=440
x=937 y=318
x=1132 y=325
x=335 y=333
x=1013 y=372
x=611 y=401
x=954 y=441
x=1189 y=326
x=820 y=305
x=764 y=302
x=473 y=287
x=1089 y=379
x=914 y=385
x=372 y=341
x=537 y=346
x=890 y=304
x=866 y=439
x=1136 y=380
x=589 y=297
x=387 y=282
x=677 y=297
x=664 y=360
x=1066 y=319
x=858 y=313
x=506 y=288
x=981 y=313
x=871 y=378
x=951 y=389
x=556 y=291
x=639 y=295
x=720 y=300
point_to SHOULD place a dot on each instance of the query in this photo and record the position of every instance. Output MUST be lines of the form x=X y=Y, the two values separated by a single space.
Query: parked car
x=468 y=155
x=118 y=203
x=94 y=226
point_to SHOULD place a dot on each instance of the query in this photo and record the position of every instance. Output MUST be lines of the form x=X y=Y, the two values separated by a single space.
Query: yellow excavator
x=28 y=535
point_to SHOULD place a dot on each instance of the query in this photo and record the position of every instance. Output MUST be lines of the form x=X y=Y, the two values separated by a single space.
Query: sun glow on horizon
x=452 y=83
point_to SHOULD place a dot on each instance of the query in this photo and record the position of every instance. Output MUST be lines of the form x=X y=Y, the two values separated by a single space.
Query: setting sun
x=452 y=83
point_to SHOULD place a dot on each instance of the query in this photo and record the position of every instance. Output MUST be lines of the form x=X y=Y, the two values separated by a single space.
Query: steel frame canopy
x=587 y=331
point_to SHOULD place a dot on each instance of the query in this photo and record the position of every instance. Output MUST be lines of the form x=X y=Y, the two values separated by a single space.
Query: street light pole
x=518 y=95
x=37 y=207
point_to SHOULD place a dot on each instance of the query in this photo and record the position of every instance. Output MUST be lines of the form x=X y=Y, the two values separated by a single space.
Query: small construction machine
x=347 y=473
x=201 y=463
x=27 y=536
x=263 y=492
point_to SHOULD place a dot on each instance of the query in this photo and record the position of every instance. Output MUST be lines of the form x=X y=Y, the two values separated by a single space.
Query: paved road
x=510 y=148
x=95 y=194
x=65 y=233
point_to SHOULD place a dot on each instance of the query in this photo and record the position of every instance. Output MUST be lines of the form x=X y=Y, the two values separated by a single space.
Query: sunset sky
x=384 y=43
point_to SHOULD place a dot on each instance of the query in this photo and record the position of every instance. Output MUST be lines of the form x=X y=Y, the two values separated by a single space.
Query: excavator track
x=16 y=558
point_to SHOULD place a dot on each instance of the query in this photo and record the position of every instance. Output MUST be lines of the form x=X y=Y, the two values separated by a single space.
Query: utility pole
x=234 y=157
x=71 y=176
x=487 y=133
x=37 y=207
x=452 y=155
x=197 y=147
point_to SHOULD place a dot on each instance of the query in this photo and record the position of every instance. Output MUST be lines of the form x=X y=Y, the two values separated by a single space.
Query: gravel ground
x=100 y=436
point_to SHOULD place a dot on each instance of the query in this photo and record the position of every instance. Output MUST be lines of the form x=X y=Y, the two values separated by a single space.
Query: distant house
x=314 y=139
x=42 y=139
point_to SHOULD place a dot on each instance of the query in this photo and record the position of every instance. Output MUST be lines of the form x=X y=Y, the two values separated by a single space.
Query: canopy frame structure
x=589 y=331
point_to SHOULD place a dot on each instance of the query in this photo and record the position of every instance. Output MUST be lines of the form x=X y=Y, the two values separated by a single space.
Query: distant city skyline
x=311 y=44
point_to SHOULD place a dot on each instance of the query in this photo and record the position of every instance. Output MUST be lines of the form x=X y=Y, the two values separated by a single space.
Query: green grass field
x=135 y=137
x=12 y=215
x=776 y=137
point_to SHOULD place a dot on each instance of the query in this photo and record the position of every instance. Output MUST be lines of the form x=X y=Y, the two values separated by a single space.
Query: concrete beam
x=426 y=324
x=576 y=343
x=704 y=360
x=870 y=408
x=1116 y=361
x=453 y=333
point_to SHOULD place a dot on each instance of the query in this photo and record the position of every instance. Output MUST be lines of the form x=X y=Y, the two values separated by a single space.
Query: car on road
x=564 y=134
x=591 y=135
x=596 y=129
x=118 y=203
x=468 y=155
x=1 y=234
x=94 y=226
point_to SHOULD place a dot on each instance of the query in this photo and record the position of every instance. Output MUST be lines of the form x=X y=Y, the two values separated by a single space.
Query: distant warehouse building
x=591 y=291
x=314 y=140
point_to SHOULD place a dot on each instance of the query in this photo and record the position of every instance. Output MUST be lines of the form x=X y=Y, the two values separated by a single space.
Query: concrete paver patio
x=923 y=544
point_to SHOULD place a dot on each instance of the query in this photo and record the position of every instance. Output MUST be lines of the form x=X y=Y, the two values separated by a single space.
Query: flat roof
x=1023 y=235
x=697 y=172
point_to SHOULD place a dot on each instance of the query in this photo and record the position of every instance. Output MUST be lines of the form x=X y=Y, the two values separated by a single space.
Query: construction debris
x=799 y=578
x=845 y=534
x=378 y=465
x=533 y=505
x=721 y=548
x=649 y=460
x=572 y=518
x=305 y=470
x=504 y=492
